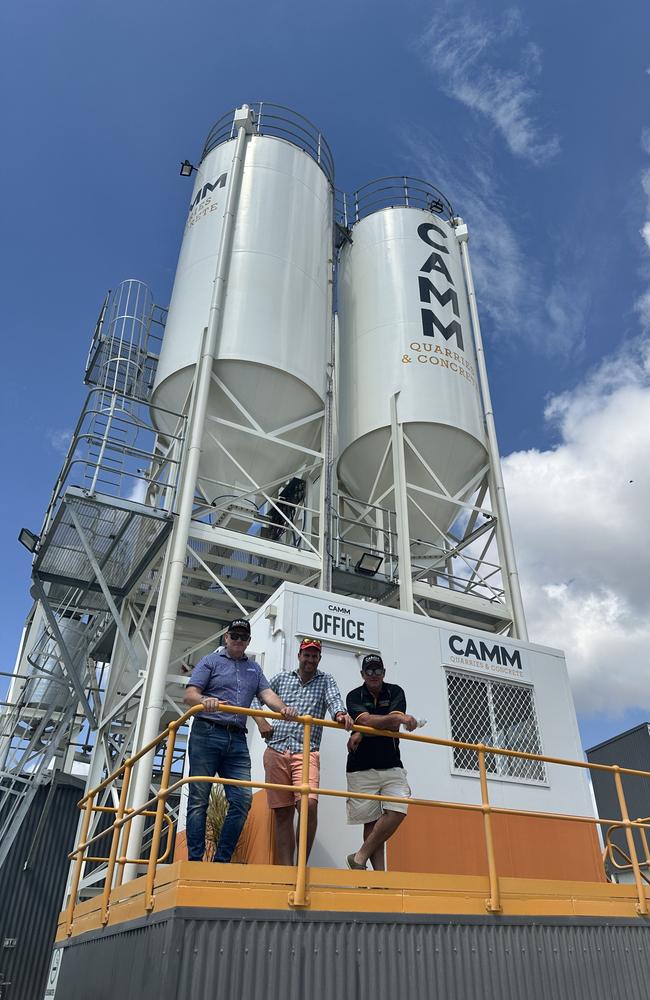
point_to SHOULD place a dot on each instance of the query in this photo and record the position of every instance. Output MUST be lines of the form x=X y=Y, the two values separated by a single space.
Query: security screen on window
x=499 y=714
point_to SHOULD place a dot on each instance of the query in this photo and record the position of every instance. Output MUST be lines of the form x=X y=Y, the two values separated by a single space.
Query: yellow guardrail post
x=117 y=830
x=76 y=875
x=299 y=896
x=493 y=904
x=642 y=905
x=124 y=844
x=160 y=815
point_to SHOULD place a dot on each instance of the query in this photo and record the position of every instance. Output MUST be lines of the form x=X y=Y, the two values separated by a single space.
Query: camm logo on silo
x=206 y=189
x=435 y=262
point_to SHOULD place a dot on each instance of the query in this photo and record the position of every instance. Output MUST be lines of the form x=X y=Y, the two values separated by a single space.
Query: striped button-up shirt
x=317 y=696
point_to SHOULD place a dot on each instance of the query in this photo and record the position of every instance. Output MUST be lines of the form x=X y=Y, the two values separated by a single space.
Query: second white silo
x=405 y=334
x=269 y=372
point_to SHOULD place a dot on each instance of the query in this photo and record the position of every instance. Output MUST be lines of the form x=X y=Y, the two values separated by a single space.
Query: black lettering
x=361 y=628
x=336 y=624
x=436 y=263
x=471 y=650
x=350 y=628
x=453 y=329
x=317 y=622
x=427 y=287
x=423 y=232
x=328 y=622
x=456 y=638
x=200 y=195
x=513 y=658
x=490 y=653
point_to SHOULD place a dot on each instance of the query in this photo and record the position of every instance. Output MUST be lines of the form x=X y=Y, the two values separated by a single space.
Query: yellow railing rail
x=117 y=857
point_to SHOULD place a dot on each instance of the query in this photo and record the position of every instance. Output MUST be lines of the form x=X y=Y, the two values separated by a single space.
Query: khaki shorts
x=392 y=781
x=285 y=768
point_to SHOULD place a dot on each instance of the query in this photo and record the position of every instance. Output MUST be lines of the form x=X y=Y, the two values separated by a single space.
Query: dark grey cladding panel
x=32 y=883
x=326 y=956
x=630 y=749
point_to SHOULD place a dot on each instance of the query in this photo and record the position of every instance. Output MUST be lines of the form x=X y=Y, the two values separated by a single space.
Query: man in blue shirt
x=312 y=692
x=218 y=739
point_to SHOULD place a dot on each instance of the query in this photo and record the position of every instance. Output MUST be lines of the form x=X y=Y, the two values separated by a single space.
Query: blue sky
x=534 y=122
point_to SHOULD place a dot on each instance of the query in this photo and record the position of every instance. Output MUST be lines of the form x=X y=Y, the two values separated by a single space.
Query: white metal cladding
x=392 y=340
x=271 y=354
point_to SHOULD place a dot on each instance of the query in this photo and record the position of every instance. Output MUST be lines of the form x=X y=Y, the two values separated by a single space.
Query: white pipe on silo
x=503 y=519
x=401 y=511
x=154 y=693
x=325 y=510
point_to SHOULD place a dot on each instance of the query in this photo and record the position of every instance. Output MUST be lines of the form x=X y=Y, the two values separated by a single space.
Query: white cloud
x=512 y=291
x=59 y=440
x=490 y=67
x=580 y=514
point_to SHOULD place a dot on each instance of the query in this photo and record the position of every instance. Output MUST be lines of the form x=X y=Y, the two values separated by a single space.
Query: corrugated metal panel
x=630 y=749
x=30 y=898
x=302 y=956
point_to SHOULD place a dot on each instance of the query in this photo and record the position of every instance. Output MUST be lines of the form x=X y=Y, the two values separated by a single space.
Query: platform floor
x=268 y=887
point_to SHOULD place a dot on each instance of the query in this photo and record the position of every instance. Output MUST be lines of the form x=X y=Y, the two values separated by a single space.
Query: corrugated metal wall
x=30 y=898
x=302 y=957
x=630 y=749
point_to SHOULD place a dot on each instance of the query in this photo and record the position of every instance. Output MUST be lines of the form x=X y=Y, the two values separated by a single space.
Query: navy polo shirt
x=379 y=752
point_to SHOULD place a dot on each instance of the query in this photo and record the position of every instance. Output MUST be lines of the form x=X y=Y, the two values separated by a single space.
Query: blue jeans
x=215 y=750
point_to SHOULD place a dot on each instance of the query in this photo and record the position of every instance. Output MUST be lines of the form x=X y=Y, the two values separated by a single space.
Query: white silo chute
x=268 y=378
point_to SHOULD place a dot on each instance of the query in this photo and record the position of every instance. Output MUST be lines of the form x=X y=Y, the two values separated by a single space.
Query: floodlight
x=28 y=539
x=187 y=168
x=369 y=564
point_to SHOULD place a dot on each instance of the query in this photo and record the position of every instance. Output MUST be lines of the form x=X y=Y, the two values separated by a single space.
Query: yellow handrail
x=299 y=896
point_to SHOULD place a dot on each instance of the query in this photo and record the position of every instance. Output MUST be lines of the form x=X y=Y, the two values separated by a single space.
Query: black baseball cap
x=372 y=660
x=240 y=624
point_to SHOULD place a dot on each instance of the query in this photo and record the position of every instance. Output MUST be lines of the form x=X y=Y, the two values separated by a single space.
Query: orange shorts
x=284 y=768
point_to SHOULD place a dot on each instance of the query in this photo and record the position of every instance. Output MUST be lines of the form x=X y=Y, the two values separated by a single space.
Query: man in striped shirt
x=311 y=692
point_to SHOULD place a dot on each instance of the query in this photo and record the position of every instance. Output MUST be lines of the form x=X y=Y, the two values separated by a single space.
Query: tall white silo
x=268 y=377
x=405 y=329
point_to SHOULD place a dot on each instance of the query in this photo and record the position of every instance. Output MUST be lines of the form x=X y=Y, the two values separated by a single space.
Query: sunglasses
x=239 y=636
x=373 y=671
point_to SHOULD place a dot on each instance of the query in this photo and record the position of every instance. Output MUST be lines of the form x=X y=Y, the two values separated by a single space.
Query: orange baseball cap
x=310 y=644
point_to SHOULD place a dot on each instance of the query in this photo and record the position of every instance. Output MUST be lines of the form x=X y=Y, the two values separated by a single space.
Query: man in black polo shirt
x=374 y=764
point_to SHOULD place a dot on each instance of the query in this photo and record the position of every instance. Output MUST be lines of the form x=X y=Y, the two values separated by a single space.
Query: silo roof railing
x=391 y=192
x=281 y=122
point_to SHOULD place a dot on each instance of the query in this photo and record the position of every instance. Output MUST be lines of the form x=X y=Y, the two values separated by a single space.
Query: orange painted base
x=251 y=887
x=452 y=841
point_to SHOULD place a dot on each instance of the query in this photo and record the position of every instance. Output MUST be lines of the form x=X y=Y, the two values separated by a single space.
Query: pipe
x=171 y=585
x=503 y=519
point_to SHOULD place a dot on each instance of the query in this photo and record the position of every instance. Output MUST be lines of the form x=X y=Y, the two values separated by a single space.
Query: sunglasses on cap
x=310 y=644
x=373 y=671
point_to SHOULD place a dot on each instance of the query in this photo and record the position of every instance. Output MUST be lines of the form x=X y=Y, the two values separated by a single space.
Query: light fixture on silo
x=369 y=564
x=187 y=168
x=28 y=539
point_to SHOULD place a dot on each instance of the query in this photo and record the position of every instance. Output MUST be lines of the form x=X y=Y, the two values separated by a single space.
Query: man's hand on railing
x=410 y=723
x=289 y=713
x=344 y=720
x=211 y=704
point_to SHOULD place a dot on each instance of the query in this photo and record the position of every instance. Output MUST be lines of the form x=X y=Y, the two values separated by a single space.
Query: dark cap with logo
x=239 y=624
x=308 y=643
x=372 y=660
